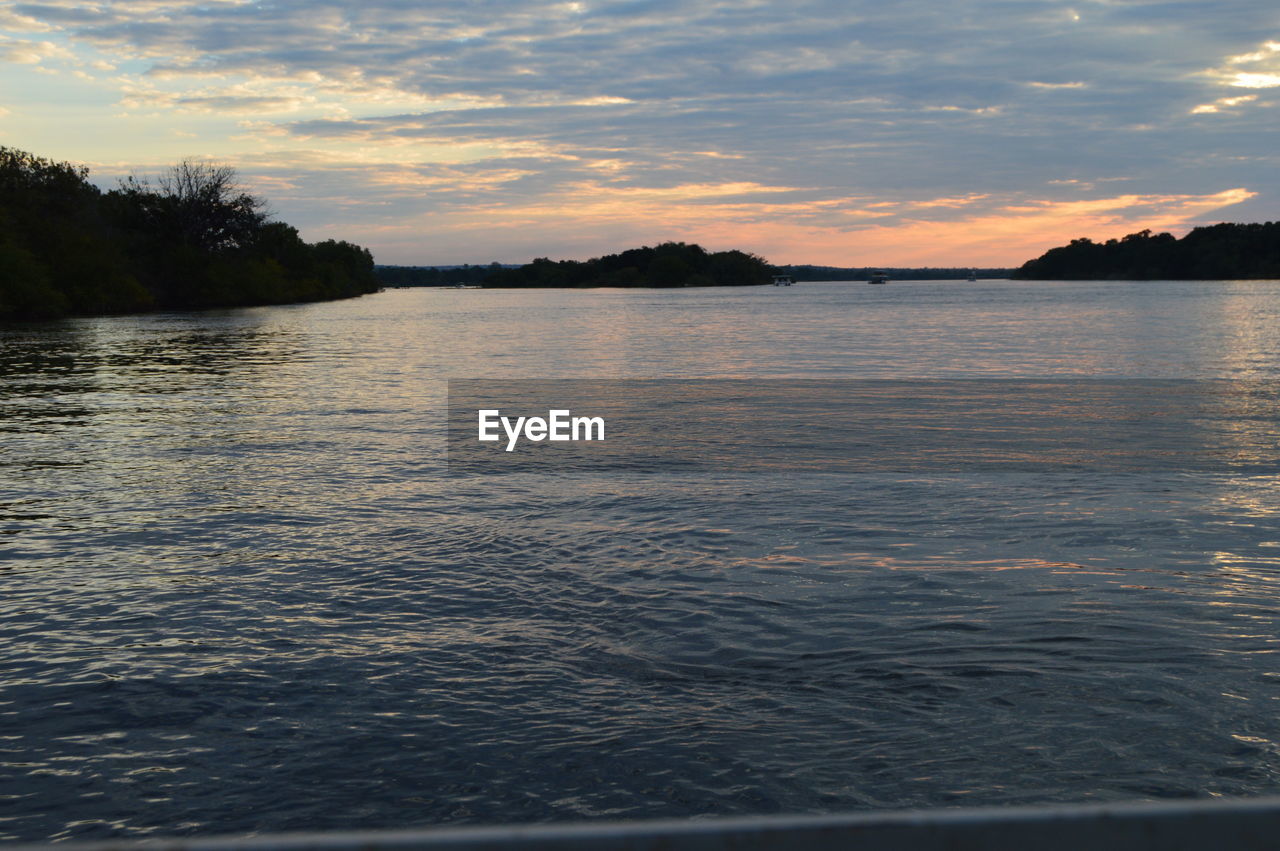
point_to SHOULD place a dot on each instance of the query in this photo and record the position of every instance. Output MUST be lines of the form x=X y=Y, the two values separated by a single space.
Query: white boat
x=782 y=280
x=878 y=278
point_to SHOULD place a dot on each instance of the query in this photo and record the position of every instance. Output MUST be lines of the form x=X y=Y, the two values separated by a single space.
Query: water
x=239 y=594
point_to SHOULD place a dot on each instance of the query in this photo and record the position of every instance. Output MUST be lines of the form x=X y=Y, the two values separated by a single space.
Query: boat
x=783 y=280
x=878 y=278
x=973 y=274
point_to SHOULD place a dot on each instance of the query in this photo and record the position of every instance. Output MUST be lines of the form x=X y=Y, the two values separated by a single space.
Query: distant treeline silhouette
x=671 y=264
x=861 y=273
x=434 y=276
x=1221 y=251
x=192 y=240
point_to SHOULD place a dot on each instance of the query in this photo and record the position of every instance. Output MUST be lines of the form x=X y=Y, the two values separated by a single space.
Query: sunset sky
x=914 y=132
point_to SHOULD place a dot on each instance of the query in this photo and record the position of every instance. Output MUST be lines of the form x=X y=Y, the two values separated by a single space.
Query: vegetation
x=194 y=240
x=671 y=264
x=434 y=276
x=861 y=273
x=1224 y=251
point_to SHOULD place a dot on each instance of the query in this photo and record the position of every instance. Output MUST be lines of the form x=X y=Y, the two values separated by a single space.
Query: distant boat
x=973 y=274
x=878 y=278
x=463 y=287
x=782 y=280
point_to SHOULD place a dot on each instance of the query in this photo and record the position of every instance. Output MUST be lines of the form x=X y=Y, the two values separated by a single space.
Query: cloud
x=1257 y=69
x=234 y=99
x=1255 y=80
x=513 y=210
x=983 y=237
x=11 y=21
x=1222 y=103
x=25 y=52
x=824 y=233
x=816 y=117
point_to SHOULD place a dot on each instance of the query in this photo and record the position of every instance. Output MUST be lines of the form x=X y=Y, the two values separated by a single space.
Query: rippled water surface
x=238 y=592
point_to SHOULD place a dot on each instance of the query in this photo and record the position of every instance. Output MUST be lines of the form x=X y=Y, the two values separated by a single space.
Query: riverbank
x=192 y=240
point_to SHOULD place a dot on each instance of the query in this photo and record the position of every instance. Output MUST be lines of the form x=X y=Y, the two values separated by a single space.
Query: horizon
x=943 y=267
x=823 y=134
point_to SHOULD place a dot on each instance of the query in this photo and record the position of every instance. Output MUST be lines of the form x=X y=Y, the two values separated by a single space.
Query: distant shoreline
x=664 y=266
x=1221 y=252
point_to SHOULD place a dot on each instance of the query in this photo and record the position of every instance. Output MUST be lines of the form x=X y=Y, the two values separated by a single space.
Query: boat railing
x=1238 y=824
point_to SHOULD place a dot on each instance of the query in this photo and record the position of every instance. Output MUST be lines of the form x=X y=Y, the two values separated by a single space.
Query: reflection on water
x=922 y=426
x=239 y=592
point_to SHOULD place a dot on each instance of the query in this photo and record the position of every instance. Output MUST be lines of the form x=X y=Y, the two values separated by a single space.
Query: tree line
x=671 y=264
x=636 y=268
x=434 y=276
x=807 y=272
x=1222 y=251
x=191 y=240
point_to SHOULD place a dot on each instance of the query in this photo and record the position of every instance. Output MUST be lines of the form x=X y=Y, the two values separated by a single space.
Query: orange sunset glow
x=822 y=133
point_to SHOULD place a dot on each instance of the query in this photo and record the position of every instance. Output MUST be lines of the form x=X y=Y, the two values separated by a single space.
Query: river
x=240 y=592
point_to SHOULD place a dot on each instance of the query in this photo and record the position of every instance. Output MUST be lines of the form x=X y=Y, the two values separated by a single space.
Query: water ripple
x=238 y=593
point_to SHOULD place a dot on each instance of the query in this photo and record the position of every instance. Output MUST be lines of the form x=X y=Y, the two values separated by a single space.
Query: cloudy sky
x=860 y=132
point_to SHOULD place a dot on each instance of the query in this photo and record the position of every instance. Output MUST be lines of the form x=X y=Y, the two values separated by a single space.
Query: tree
x=669 y=264
x=1218 y=251
x=192 y=239
x=199 y=205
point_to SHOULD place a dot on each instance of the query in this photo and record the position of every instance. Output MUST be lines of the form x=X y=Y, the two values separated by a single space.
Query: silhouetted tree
x=195 y=239
x=198 y=204
x=1218 y=251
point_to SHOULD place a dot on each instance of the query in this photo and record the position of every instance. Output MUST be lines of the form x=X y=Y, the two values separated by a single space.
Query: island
x=670 y=264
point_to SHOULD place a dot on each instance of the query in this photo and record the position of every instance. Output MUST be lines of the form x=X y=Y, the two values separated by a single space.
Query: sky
x=904 y=133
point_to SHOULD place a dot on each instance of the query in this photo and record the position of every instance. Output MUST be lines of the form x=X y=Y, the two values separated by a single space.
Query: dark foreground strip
x=1240 y=825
